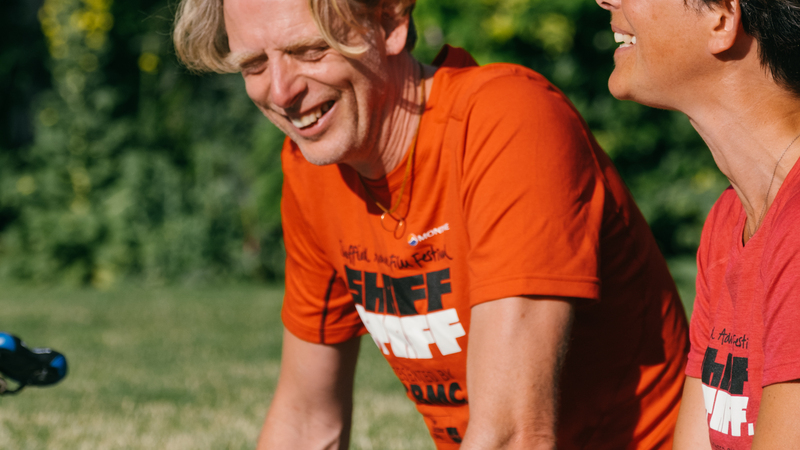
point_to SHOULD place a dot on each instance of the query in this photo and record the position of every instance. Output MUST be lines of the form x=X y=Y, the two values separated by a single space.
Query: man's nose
x=610 y=5
x=287 y=83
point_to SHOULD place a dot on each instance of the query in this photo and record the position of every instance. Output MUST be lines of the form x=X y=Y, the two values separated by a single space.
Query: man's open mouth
x=311 y=117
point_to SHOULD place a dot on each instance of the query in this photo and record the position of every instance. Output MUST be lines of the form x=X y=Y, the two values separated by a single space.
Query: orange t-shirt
x=510 y=195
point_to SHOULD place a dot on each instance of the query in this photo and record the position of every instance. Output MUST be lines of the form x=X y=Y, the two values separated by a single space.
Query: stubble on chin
x=325 y=151
x=322 y=158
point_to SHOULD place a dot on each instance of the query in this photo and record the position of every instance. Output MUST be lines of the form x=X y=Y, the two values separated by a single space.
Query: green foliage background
x=115 y=163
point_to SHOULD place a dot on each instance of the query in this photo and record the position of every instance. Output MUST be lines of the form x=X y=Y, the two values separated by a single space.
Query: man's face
x=328 y=104
x=660 y=53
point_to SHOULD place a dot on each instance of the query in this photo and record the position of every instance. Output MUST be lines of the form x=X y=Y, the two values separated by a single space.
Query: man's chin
x=320 y=155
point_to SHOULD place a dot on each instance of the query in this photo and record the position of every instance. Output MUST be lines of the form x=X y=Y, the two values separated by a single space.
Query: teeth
x=312 y=116
x=626 y=39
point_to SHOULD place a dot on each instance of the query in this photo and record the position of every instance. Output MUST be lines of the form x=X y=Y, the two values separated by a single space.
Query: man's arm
x=313 y=402
x=516 y=349
x=778 y=424
x=691 y=431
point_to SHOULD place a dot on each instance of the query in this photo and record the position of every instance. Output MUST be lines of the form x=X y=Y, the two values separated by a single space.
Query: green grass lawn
x=174 y=368
x=181 y=368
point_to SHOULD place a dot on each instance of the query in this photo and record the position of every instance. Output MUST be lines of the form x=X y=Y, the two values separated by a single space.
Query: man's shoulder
x=501 y=87
x=461 y=83
x=459 y=66
x=476 y=78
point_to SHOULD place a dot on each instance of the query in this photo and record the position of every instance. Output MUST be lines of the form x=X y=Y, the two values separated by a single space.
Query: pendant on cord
x=399 y=229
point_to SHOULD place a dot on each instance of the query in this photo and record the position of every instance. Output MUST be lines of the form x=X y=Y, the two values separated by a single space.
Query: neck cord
x=401 y=221
x=752 y=231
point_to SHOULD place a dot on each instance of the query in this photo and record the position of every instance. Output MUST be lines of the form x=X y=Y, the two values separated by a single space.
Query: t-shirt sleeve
x=530 y=181
x=317 y=305
x=781 y=309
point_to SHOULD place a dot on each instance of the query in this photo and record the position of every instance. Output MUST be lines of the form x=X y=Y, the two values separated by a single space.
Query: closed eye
x=312 y=49
x=314 y=53
x=254 y=65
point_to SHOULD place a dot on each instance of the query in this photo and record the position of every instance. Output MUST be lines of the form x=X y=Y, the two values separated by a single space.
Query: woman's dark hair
x=775 y=24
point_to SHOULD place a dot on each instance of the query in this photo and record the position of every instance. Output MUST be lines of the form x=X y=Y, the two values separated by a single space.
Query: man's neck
x=401 y=119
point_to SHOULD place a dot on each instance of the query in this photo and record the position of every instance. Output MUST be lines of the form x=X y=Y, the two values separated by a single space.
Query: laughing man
x=465 y=217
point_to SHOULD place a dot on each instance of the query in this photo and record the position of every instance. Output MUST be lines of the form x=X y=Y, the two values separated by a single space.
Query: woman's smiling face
x=662 y=44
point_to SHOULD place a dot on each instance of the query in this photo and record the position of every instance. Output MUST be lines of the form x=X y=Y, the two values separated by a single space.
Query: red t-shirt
x=744 y=325
x=510 y=195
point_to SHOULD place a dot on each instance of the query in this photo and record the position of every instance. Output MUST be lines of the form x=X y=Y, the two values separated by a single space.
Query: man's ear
x=395 y=30
x=726 y=25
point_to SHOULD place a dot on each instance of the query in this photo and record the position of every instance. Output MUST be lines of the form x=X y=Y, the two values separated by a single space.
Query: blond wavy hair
x=201 y=40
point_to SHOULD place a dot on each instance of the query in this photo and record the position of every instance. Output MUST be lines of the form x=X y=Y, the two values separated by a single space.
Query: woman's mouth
x=627 y=40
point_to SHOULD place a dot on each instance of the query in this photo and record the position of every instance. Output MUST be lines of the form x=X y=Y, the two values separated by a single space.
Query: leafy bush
x=136 y=168
x=117 y=163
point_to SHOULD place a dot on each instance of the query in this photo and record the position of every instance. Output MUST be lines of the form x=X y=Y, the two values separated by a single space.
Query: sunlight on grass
x=176 y=368
x=182 y=368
